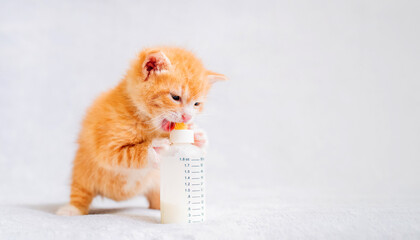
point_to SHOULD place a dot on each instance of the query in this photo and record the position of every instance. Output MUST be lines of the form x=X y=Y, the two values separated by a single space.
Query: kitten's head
x=169 y=85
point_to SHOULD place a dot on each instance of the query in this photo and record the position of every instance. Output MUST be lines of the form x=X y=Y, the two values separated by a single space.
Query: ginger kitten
x=126 y=127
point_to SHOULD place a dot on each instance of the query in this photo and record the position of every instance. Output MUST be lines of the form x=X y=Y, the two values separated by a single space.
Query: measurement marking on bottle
x=194 y=188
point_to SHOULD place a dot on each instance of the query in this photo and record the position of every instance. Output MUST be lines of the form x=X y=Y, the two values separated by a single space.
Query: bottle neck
x=182 y=136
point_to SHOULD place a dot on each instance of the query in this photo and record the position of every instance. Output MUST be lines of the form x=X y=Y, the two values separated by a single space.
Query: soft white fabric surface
x=260 y=210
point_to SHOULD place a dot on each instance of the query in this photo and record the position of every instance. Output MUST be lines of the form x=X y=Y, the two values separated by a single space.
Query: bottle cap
x=181 y=134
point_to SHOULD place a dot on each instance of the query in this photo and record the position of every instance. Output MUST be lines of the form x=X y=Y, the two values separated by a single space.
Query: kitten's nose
x=186 y=117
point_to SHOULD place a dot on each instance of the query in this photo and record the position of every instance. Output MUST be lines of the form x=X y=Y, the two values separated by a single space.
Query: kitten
x=126 y=127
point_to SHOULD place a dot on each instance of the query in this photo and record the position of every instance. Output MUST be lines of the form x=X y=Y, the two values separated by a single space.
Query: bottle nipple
x=181 y=126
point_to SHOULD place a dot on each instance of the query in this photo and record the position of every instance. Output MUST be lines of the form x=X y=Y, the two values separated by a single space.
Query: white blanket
x=234 y=211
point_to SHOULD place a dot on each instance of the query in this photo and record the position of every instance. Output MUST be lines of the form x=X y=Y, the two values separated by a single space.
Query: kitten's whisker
x=156 y=117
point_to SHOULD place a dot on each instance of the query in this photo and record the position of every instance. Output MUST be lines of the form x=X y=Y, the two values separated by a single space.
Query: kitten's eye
x=197 y=104
x=176 y=97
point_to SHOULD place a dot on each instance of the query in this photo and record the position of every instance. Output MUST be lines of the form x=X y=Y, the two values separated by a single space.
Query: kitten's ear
x=155 y=62
x=213 y=77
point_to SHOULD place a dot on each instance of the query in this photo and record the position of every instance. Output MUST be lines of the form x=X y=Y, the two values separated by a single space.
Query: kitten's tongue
x=167 y=126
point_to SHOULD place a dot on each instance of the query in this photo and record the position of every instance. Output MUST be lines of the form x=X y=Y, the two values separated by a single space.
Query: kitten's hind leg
x=153 y=196
x=80 y=200
x=153 y=193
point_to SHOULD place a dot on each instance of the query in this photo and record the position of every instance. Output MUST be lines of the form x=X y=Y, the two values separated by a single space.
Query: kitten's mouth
x=167 y=125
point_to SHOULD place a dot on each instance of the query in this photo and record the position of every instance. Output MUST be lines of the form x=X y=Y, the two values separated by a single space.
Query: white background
x=323 y=96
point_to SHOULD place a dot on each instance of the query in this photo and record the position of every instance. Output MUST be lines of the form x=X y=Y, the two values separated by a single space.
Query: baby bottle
x=182 y=179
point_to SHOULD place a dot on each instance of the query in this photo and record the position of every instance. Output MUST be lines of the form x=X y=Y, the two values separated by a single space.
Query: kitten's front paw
x=68 y=210
x=158 y=145
x=200 y=138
